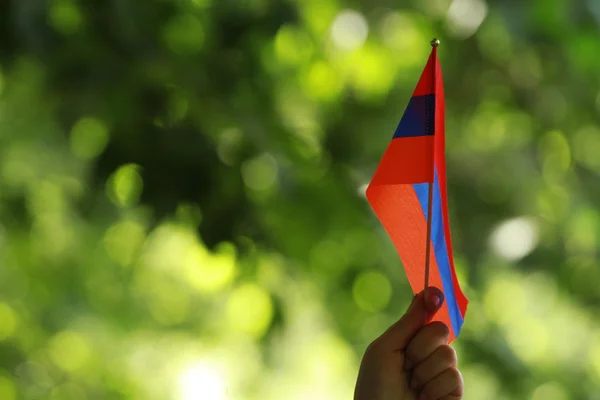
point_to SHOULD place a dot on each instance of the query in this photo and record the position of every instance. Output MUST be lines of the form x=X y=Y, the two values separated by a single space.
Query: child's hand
x=412 y=360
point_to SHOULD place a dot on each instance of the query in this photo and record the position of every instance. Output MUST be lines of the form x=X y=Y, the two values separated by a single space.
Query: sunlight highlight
x=349 y=30
x=202 y=381
x=515 y=238
x=465 y=16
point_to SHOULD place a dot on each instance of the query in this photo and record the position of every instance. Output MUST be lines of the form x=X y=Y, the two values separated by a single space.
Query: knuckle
x=411 y=352
x=419 y=375
x=440 y=329
x=376 y=346
x=429 y=391
x=455 y=376
x=373 y=346
x=449 y=354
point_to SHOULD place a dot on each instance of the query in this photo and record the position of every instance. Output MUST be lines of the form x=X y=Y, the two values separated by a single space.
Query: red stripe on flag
x=406 y=160
x=440 y=163
x=426 y=82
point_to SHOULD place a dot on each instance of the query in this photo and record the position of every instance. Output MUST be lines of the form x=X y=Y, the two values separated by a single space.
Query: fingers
x=425 y=342
x=447 y=385
x=443 y=357
x=435 y=372
x=424 y=305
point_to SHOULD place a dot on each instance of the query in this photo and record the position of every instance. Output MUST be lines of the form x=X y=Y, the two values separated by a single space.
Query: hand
x=412 y=359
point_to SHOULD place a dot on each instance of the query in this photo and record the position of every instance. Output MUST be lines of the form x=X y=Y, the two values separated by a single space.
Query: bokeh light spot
x=70 y=350
x=515 y=238
x=293 y=45
x=318 y=14
x=229 y=144
x=322 y=82
x=260 y=173
x=8 y=321
x=184 y=34
x=374 y=72
x=372 y=291
x=89 y=137
x=250 y=310
x=202 y=381
x=65 y=17
x=465 y=16
x=209 y=273
x=125 y=185
x=349 y=30
x=169 y=246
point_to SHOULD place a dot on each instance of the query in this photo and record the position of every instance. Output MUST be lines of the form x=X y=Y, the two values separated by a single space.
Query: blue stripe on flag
x=440 y=249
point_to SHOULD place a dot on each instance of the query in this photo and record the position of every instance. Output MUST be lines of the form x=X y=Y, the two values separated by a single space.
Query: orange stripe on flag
x=400 y=213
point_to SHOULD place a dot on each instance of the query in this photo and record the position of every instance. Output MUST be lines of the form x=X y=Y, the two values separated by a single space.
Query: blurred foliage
x=181 y=193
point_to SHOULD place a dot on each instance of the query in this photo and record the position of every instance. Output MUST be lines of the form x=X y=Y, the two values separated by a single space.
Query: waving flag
x=408 y=194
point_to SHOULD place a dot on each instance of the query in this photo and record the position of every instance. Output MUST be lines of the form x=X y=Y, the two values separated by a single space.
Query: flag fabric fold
x=399 y=194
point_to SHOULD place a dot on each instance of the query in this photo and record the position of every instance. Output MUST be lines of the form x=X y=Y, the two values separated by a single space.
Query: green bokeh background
x=182 y=211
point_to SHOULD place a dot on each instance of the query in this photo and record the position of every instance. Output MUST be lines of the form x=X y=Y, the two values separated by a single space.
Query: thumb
x=423 y=307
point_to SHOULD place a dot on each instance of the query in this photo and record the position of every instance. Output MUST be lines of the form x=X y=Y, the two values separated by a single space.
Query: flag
x=413 y=162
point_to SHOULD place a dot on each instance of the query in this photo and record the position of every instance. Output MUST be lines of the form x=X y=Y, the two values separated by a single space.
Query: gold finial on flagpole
x=435 y=42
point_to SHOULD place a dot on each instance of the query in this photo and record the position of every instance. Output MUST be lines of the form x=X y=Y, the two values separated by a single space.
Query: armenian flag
x=408 y=195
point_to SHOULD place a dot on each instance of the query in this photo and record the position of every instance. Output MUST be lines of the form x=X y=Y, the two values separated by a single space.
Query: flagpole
x=434 y=44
